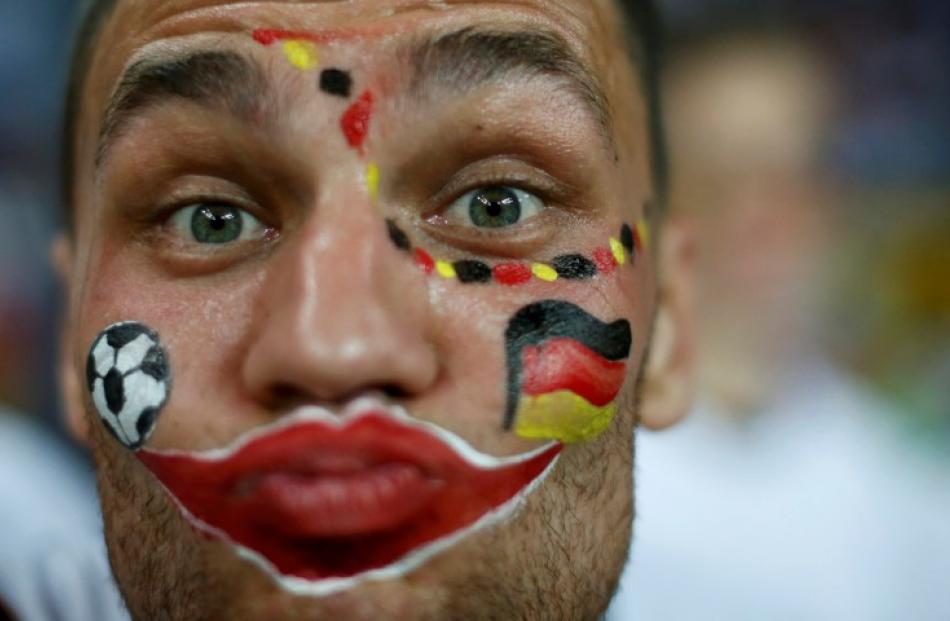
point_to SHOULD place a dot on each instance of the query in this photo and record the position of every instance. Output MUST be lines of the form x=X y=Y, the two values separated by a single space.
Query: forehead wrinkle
x=471 y=57
x=212 y=78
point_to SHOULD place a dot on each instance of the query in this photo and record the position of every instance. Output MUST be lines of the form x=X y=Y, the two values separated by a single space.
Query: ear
x=71 y=389
x=670 y=376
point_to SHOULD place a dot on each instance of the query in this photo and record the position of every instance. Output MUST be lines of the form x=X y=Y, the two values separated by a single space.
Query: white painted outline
x=363 y=407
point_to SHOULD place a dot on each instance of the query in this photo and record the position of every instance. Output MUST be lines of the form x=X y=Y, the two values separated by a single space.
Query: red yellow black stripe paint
x=565 y=370
x=603 y=261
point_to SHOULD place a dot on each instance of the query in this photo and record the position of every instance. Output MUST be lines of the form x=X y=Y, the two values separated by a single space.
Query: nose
x=342 y=312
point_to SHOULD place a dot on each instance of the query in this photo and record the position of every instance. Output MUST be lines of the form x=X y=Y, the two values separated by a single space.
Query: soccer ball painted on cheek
x=128 y=378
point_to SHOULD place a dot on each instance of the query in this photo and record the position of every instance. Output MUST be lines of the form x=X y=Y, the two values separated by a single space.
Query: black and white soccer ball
x=129 y=380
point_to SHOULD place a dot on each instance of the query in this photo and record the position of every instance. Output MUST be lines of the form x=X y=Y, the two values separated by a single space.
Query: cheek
x=204 y=327
x=546 y=360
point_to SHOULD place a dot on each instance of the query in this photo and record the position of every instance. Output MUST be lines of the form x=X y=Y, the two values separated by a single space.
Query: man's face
x=367 y=234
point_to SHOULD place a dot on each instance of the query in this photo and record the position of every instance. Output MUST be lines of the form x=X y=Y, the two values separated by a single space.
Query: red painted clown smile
x=318 y=499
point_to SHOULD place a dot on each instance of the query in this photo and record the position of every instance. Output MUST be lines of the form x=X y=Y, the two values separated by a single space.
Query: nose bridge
x=336 y=315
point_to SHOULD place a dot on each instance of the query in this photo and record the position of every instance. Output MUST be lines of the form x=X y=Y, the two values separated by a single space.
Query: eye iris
x=216 y=224
x=495 y=208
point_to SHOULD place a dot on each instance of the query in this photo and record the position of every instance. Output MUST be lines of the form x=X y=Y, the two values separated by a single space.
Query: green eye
x=216 y=223
x=495 y=207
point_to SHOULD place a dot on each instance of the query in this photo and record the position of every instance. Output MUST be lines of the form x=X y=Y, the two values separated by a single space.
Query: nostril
x=393 y=391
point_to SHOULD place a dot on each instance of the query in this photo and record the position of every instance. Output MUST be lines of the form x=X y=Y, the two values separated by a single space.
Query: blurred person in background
x=786 y=494
x=52 y=559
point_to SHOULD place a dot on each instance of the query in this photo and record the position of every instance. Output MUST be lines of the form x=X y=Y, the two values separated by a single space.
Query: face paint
x=128 y=378
x=626 y=237
x=336 y=82
x=472 y=272
x=398 y=237
x=574 y=267
x=270 y=36
x=302 y=54
x=512 y=274
x=564 y=371
x=325 y=501
x=445 y=270
x=372 y=181
x=605 y=260
x=643 y=234
x=570 y=266
x=425 y=262
x=355 y=121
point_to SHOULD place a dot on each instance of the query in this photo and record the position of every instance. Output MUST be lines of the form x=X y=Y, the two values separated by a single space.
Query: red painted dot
x=423 y=260
x=355 y=121
x=511 y=273
x=605 y=260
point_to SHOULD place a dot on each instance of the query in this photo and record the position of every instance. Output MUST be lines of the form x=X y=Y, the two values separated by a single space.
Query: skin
x=326 y=309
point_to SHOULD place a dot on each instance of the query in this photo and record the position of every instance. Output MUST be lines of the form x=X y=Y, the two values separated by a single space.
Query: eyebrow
x=212 y=78
x=462 y=60
x=468 y=58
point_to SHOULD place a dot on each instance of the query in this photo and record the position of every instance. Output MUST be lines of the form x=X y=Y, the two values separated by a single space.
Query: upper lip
x=401 y=444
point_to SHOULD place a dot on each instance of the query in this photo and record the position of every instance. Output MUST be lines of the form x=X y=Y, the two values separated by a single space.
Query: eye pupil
x=495 y=208
x=216 y=224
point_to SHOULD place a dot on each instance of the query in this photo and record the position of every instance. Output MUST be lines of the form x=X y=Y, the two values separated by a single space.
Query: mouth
x=324 y=501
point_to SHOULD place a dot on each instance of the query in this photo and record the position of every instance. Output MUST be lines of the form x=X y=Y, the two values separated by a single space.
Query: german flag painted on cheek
x=565 y=370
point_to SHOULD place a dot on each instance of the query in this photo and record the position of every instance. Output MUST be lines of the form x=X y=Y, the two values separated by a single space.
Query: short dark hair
x=643 y=31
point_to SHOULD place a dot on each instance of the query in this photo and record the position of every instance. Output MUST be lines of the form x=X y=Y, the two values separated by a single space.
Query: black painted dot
x=119 y=336
x=626 y=237
x=398 y=236
x=336 y=82
x=115 y=392
x=574 y=267
x=472 y=271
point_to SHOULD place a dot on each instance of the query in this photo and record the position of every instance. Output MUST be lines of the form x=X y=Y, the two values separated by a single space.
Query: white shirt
x=52 y=555
x=816 y=510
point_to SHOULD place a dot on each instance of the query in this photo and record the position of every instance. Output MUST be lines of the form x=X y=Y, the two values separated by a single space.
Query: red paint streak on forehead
x=355 y=121
x=269 y=36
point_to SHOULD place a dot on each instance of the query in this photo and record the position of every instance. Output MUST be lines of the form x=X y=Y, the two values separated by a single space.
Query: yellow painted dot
x=301 y=54
x=445 y=269
x=619 y=253
x=544 y=272
x=372 y=181
x=643 y=230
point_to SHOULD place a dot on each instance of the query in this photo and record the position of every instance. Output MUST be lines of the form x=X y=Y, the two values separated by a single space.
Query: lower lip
x=339 y=504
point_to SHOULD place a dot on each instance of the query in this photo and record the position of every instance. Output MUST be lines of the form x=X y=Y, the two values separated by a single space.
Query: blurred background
x=811 y=148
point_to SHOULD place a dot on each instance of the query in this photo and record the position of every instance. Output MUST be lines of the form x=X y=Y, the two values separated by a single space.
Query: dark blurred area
x=845 y=160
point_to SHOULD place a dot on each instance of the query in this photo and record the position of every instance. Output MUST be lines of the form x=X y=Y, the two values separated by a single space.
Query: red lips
x=319 y=500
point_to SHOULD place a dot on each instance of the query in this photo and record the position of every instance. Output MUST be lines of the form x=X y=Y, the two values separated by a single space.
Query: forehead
x=587 y=25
